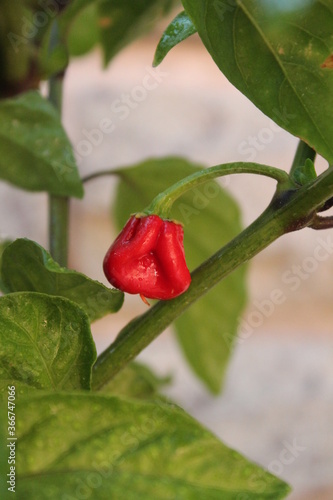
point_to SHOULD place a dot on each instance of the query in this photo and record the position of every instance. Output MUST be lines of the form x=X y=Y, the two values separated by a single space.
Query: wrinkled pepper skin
x=148 y=258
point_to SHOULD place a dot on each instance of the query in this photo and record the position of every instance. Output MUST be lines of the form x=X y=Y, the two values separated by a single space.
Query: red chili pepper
x=148 y=258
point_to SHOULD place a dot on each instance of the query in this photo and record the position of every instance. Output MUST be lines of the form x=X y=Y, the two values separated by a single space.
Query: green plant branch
x=319 y=222
x=289 y=210
x=101 y=173
x=58 y=228
x=58 y=205
x=161 y=205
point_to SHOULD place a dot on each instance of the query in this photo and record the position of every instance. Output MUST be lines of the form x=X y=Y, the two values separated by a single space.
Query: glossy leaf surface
x=45 y=343
x=178 y=30
x=107 y=447
x=26 y=266
x=276 y=56
x=35 y=153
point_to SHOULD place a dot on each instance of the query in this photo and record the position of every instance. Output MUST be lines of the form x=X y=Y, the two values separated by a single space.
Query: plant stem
x=161 y=205
x=58 y=228
x=319 y=222
x=289 y=210
x=58 y=205
x=101 y=173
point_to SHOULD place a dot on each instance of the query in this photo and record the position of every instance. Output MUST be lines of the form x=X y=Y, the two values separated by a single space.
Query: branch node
x=319 y=222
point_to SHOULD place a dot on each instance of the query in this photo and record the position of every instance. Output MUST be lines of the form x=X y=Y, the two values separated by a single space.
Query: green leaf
x=275 y=57
x=211 y=218
x=135 y=381
x=3 y=244
x=114 y=23
x=178 y=30
x=52 y=62
x=45 y=343
x=78 y=30
x=26 y=266
x=84 y=32
x=99 y=447
x=305 y=173
x=35 y=153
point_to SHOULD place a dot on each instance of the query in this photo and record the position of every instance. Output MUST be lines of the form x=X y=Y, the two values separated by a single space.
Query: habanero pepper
x=148 y=258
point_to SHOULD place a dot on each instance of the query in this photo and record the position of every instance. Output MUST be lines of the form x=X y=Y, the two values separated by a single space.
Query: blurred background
x=277 y=403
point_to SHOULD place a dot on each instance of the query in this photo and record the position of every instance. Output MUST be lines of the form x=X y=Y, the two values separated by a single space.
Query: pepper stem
x=58 y=205
x=162 y=204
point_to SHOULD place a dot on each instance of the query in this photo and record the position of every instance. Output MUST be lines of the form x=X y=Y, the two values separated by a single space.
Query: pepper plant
x=81 y=426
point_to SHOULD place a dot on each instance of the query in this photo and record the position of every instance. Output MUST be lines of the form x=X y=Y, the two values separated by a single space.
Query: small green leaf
x=45 y=343
x=178 y=30
x=78 y=28
x=274 y=56
x=135 y=381
x=207 y=331
x=305 y=173
x=72 y=13
x=84 y=32
x=26 y=266
x=102 y=447
x=35 y=153
x=52 y=62
x=211 y=219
